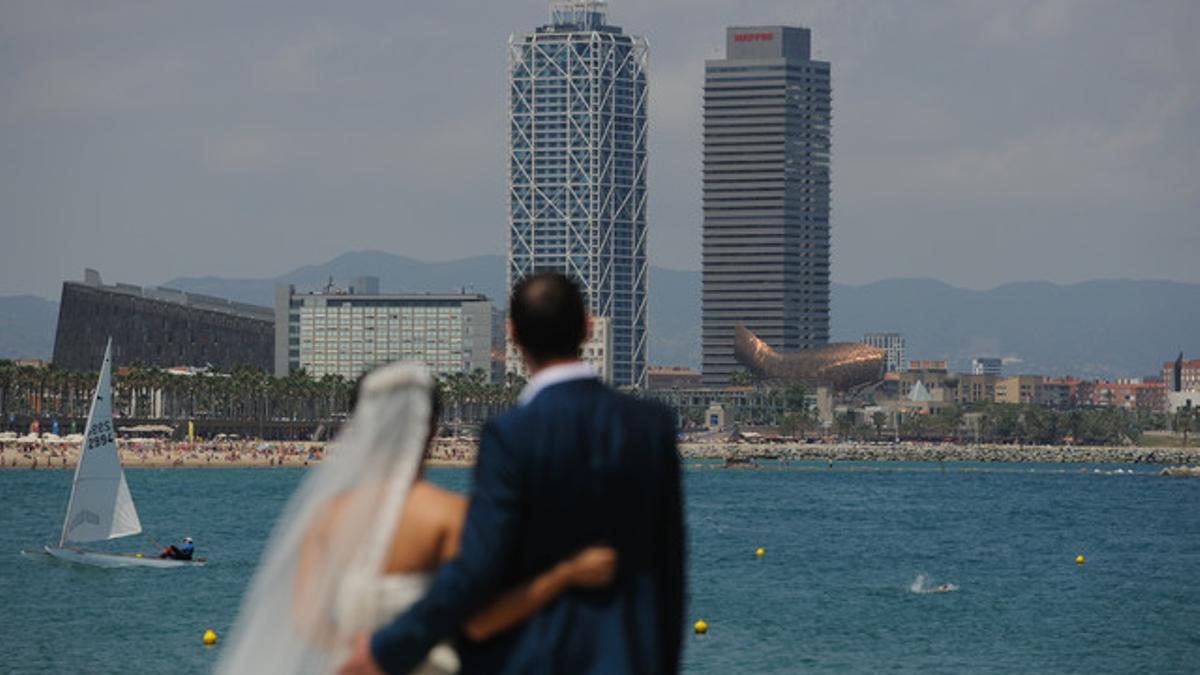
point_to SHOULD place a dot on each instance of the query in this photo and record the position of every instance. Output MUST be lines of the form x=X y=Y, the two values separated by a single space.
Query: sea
x=852 y=558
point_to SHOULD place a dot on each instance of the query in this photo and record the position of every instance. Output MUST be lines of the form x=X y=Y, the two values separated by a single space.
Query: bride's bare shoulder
x=435 y=500
x=428 y=528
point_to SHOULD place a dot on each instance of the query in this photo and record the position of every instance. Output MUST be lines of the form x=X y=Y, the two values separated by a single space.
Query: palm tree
x=476 y=387
x=335 y=394
x=845 y=424
x=793 y=424
x=31 y=381
x=1185 y=419
x=795 y=397
x=878 y=419
x=453 y=387
x=741 y=378
x=159 y=381
x=8 y=376
x=55 y=379
x=513 y=384
x=952 y=417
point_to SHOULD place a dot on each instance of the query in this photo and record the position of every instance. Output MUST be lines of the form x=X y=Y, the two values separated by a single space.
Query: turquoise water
x=833 y=592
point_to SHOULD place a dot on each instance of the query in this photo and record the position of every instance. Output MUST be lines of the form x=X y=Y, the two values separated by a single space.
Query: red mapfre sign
x=752 y=37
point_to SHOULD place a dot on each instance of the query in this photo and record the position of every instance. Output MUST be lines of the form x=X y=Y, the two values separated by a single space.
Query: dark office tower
x=767 y=116
x=577 y=168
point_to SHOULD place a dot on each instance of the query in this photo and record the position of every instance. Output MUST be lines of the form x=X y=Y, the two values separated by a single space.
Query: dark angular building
x=767 y=117
x=158 y=327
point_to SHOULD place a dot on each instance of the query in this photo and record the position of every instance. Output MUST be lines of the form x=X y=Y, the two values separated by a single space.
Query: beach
x=251 y=453
x=241 y=454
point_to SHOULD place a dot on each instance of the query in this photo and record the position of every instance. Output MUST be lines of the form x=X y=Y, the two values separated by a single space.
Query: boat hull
x=79 y=556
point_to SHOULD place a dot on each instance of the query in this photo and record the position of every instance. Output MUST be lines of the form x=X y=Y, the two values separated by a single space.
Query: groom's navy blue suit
x=580 y=464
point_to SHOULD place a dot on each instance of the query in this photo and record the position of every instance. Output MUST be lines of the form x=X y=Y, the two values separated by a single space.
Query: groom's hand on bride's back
x=593 y=567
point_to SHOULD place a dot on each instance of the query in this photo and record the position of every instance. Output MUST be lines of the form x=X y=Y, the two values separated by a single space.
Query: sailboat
x=101 y=507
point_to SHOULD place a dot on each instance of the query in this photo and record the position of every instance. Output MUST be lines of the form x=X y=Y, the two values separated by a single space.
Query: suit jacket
x=578 y=465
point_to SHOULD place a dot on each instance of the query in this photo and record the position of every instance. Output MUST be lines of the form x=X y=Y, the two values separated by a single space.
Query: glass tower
x=577 y=168
x=766 y=195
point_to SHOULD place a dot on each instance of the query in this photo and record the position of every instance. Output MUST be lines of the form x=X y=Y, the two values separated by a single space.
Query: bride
x=361 y=539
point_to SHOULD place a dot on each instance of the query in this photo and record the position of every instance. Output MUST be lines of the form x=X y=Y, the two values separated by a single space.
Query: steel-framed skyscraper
x=765 y=264
x=577 y=168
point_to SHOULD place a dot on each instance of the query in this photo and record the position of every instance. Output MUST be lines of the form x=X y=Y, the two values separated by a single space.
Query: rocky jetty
x=922 y=452
x=1181 y=471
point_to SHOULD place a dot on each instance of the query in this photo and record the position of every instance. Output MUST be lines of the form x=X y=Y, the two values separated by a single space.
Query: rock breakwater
x=918 y=452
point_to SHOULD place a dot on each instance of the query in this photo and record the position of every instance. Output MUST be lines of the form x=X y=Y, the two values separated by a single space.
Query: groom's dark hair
x=548 y=317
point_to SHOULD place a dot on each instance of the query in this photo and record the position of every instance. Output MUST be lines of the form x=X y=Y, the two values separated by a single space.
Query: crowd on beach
x=61 y=453
x=57 y=453
x=35 y=456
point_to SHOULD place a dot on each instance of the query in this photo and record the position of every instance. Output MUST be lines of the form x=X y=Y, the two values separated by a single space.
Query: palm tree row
x=243 y=394
x=151 y=393
x=469 y=398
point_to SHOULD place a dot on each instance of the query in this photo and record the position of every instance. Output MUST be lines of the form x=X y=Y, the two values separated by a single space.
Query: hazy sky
x=974 y=142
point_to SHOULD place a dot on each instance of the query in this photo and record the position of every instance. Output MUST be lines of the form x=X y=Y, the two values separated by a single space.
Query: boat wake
x=922 y=585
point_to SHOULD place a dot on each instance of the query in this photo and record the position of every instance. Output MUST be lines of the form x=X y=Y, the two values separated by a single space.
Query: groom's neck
x=535 y=368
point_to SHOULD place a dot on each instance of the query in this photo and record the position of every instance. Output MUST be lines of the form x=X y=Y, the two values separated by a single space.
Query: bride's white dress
x=366 y=601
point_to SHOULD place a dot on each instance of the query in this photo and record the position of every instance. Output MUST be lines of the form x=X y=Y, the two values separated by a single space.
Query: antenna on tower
x=579 y=13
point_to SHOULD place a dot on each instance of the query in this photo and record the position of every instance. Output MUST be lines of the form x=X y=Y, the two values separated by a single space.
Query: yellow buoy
x=701 y=627
x=760 y=553
x=1078 y=560
x=210 y=638
x=137 y=555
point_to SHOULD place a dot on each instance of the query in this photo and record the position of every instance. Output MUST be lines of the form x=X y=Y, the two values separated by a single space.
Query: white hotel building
x=349 y=333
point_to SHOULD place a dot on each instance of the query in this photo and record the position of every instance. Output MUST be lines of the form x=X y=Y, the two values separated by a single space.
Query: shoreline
x=923 y=452
x=460 y=453
x=247 y=454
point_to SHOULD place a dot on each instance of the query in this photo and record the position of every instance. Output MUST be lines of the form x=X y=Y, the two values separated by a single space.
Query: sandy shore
x=239 y=455
x=461 y=453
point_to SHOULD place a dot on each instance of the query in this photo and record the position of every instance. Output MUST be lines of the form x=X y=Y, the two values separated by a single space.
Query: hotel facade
x=349 y=333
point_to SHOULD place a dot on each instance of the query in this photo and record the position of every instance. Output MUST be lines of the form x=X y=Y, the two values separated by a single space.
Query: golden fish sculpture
x=842 y=366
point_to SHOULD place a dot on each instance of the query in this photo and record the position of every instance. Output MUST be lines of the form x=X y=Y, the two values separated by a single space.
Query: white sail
x=101 y=506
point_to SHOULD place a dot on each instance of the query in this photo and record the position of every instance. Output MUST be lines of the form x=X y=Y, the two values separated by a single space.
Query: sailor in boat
x=183 y=552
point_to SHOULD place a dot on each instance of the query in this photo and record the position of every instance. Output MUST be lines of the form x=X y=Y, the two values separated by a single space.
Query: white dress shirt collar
x=547 y=377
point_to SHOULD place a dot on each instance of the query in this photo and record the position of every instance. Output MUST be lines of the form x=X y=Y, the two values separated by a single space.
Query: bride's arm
x=591 y=568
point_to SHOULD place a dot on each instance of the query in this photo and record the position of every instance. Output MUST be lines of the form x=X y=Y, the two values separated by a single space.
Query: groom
x=574 y=464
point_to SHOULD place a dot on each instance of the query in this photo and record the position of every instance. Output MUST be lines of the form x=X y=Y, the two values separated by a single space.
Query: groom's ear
x=587 y=329
x=511 y=331
x=512 y=337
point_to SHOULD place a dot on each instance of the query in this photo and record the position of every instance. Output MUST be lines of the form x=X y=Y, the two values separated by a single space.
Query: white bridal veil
x=338 y=523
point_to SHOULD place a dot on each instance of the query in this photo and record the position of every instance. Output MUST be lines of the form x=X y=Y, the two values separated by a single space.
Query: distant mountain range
x=27 y=327
x=1091 y=329
x=1094 y=329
